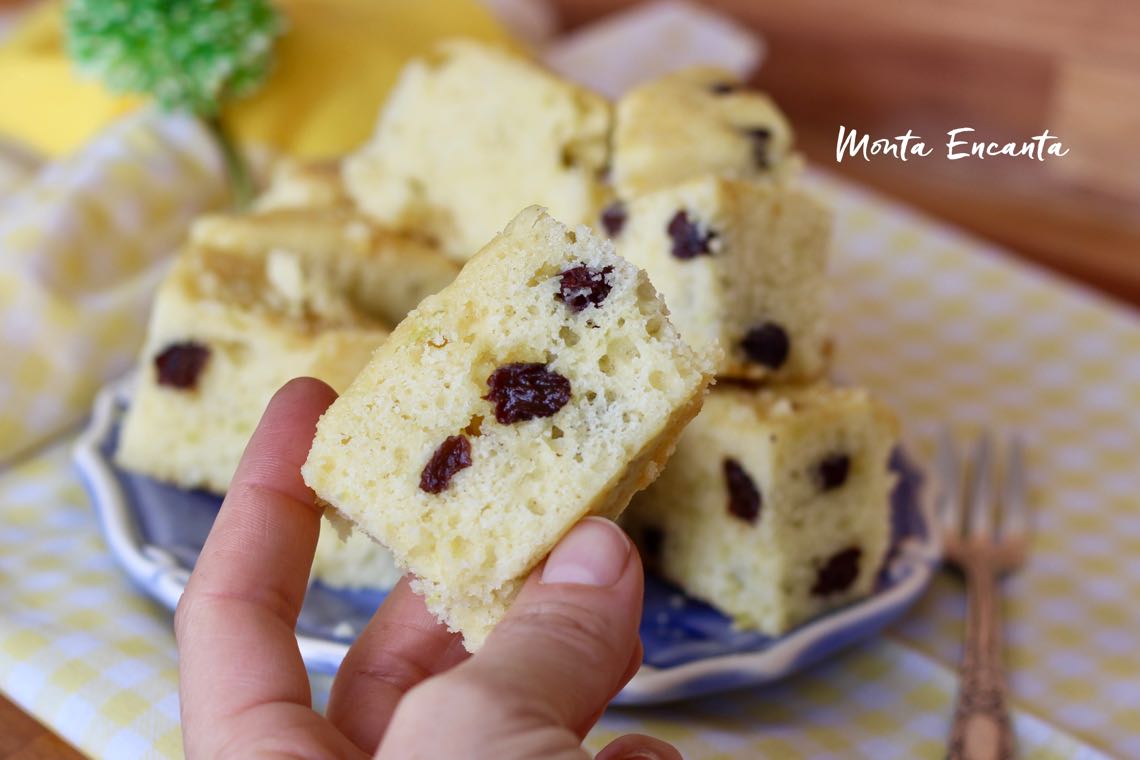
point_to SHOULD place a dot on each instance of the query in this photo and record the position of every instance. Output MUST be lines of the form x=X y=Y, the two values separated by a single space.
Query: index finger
x=235 y=621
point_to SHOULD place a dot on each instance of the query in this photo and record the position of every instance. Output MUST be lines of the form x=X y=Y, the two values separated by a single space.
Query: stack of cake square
x=775 y=506
x=302 y=285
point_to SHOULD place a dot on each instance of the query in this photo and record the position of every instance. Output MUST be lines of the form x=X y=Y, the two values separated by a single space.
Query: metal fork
x=984 y=522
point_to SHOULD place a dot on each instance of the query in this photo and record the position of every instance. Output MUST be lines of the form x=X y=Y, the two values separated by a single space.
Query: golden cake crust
x=193 y=432
x=695 y=122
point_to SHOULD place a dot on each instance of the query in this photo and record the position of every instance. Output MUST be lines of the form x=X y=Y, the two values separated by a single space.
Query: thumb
x=544 y=675
x=568 y=640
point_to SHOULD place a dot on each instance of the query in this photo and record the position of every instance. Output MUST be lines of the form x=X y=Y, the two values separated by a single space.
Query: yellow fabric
x=334 y=67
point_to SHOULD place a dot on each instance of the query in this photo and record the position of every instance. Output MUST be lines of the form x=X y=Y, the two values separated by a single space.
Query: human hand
x=407 y=688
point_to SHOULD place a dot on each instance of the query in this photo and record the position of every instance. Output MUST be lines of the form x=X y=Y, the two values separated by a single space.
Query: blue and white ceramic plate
x=156 y=530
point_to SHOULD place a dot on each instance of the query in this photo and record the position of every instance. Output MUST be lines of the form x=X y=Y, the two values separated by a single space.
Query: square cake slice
x=776 y=505
x=694 y=122
x=740 y=264
x=216 y=351
x=381 y=272
x=545 y=384
x=470 y=135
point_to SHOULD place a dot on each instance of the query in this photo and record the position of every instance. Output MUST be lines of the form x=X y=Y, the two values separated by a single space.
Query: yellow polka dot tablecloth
x=943 y=327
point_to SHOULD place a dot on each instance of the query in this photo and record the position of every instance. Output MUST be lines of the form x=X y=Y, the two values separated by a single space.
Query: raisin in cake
x=741 y=264
x=775 y=506
x=382 y=272
x=694 y=122
x=470 y=135
x=217 y=349
x=352 y=561
x=545 y=384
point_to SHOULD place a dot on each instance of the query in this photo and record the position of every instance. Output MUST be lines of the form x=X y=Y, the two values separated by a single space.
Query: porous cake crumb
x=352 y=561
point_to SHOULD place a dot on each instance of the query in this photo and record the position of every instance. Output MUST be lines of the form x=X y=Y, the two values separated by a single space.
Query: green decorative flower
x=191 y=55
x=188 y=54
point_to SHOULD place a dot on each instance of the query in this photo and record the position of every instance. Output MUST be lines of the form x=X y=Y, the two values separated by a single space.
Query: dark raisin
x=767 y=344
x=838 y=573
x=582 y=286
x=652 y=539
x=452 y=456
x=180 y=364
x=688 y=240
x=613 y=218
x=761 y=138
x=725 y=88
x=522 y=391
x=744 y=498
x=831 y=473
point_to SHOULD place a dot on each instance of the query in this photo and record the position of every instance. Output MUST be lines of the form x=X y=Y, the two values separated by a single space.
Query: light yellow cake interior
x=308 y=252
x=195 y=436
x=695 y=122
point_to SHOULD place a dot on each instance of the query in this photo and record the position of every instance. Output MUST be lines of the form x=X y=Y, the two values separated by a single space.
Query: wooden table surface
x=23 y=738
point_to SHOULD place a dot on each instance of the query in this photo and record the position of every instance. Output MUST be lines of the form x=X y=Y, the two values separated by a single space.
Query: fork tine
x=981 y=505
x=948 y=507
x=1015 y=515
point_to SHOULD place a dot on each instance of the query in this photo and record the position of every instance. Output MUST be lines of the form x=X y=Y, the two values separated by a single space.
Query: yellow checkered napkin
x=940 y=325
x=82 y=244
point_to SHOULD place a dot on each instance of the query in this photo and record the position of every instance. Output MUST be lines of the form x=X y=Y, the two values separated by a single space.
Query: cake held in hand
x=741 y=264
x=695 y=122
x=381 y=272
x=545 y=384
x=776 y=505
x=470 y=135
x=217 y=349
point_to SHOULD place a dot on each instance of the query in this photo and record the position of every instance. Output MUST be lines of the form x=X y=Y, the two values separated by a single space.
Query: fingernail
x=593 y=554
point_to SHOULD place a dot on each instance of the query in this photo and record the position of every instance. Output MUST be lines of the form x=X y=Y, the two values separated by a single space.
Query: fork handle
x=982 y=728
